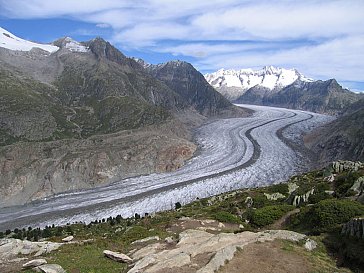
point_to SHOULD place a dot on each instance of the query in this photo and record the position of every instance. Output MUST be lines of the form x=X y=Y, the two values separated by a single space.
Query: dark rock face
x=191 y=85
x=319 y=96
x=355 y=228
x=342 y=139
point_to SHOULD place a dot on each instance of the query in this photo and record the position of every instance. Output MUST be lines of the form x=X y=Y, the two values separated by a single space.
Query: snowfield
x=234 y=153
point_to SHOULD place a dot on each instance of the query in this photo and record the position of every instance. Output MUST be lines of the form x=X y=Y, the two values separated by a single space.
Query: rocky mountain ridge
x=234 y=83
x=280 y=87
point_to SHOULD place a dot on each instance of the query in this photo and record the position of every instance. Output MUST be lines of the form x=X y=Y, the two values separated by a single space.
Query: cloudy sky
x=321 y=38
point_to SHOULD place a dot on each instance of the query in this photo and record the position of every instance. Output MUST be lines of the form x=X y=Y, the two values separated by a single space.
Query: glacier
x=233 y=153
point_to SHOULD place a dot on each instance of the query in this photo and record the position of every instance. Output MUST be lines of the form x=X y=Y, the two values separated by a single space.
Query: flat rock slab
x=67 y=239
x=11 y=248
x=34 y=263
x=194 y=243
x=117 y=256
x=50 y=268
x=146 y=240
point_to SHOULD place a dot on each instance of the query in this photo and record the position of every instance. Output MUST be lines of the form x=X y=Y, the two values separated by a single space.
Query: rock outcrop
x=10 y=249
x=355 y=228
x=345 y=165
x=274 y=196
x=298 y=199
x=34 y=263
x=50 y=268
x=200 y=251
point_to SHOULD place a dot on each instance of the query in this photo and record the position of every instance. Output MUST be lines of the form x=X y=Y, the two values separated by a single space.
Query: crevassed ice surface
x=234 y=153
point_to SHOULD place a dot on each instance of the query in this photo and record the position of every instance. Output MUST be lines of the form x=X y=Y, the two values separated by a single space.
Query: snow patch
x=74 y=46
x=269 y=77
x=12 y=42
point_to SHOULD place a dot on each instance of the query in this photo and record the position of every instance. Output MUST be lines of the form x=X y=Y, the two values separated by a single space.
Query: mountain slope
x=319 y=96
x=191 y=85
x=10 y=41
x=341 y=139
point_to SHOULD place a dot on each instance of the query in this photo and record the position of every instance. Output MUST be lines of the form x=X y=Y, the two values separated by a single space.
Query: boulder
x=169 y=240
x=248 y=202
x=310 y=244
x=117 y=256
x=358 y=185
x=274 y=196
x=34 y=263
x=67 y=239
x=50 y=268
x=10 y=248
x=292 y=187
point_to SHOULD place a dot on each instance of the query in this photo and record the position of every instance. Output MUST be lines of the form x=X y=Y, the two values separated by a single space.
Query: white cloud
x=341 y=58
x=102 y=25
x=321 y=38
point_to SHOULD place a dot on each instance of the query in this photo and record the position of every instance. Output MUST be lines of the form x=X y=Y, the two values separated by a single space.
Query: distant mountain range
x=281 y=87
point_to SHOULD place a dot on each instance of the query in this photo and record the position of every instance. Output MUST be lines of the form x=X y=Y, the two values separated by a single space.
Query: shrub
x=281 y=188
x=223 y=216
x=260 y=201
x=344 y=182
x=318 y=196
x=267 y=215
x=177 y=205
x=326 y=215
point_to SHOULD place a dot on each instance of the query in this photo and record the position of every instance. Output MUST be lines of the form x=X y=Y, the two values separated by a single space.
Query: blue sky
x=322 y=39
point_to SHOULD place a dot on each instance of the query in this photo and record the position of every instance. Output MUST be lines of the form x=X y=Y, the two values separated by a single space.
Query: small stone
x=34 y=263
x=310 y=245
x=67 y=239
x=241 y=226
x=221 y=225
x=169 y=240
x=118 y=230
x=117 y=256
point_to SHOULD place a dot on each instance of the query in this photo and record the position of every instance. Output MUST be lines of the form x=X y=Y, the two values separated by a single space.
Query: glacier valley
x=233 y=153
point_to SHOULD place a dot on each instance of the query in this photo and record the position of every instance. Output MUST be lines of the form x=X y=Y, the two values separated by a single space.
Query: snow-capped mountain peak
x=269 y=77
x=71 y=45
x=12 y=42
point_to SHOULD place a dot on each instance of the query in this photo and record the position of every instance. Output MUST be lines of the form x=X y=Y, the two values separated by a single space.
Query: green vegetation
x=226 y=217
x=326 y=215
x=267 y=215
x=281 y=188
